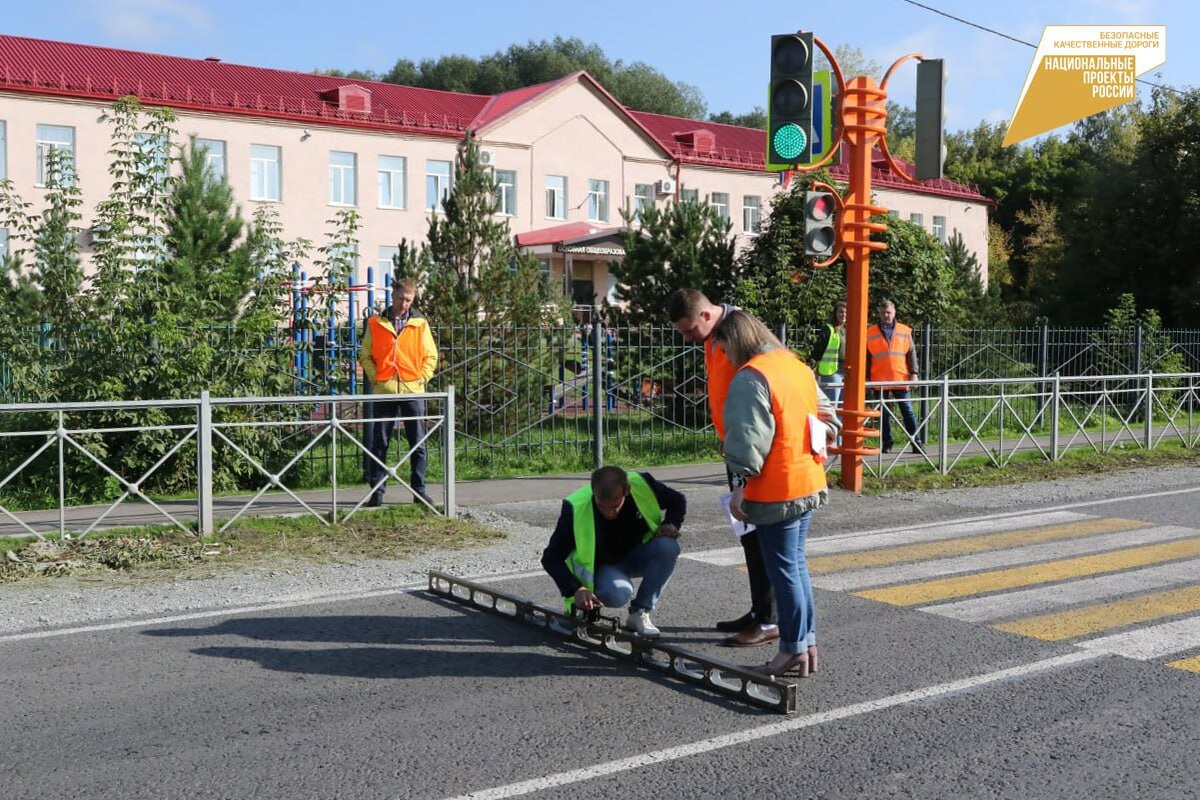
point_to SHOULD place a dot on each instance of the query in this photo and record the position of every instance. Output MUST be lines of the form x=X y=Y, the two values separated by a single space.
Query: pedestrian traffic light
x=819 y=233
x=790 y=101
x=931 y=146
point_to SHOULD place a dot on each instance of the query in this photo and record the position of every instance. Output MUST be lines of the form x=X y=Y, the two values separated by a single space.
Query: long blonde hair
x=742 y=337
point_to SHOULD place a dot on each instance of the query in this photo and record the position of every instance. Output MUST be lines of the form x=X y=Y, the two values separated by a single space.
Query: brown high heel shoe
x=796 y=663
x=812 y=660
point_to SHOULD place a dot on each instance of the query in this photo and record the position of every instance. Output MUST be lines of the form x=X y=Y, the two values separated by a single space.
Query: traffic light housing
x=790 y=101
x=819 y=233
x=931 y=126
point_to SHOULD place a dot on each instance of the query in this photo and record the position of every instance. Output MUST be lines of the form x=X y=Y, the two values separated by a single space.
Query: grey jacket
x=749 y=432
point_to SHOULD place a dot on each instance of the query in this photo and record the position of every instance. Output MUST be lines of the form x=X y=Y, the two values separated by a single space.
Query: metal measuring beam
x=605 y=634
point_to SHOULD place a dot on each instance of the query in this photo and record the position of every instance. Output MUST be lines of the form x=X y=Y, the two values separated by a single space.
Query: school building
x=567 y=156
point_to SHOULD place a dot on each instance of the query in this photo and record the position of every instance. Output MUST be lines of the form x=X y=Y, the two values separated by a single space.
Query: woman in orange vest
x=771 y=413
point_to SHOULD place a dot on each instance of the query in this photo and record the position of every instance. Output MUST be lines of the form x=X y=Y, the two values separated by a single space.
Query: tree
x=913 y=272
x=57 y=271
x=756 y=118
x=202 y=231
x=778 y=283
x=681 y=244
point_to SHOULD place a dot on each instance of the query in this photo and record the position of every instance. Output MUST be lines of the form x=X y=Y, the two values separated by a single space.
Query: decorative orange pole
x=862 y=114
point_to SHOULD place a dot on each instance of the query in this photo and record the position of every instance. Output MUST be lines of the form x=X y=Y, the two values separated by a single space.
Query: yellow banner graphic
x=1081 y=70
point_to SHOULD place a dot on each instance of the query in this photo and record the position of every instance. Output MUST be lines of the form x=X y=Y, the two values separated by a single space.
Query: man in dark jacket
x=622 y=525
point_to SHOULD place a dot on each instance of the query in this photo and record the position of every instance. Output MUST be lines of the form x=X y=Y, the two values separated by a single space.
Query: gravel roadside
x=71 y=602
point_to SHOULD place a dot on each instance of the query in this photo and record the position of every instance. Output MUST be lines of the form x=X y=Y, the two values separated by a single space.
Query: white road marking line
x=292 y=601
x=787 y=726
x=1029 y=554
x=1149 y=643
x=1044 y=599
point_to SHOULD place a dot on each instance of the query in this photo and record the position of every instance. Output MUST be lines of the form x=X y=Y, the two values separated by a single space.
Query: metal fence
x=232 y=445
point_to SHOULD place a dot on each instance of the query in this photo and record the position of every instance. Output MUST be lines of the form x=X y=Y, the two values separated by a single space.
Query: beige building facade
x=567 y=157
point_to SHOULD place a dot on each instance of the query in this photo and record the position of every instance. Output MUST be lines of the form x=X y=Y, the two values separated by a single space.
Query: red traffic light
x=821 y=207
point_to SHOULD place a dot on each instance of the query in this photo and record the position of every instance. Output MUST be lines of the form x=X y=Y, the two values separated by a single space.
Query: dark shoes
x=422 y=499
x=376 y=500
x=745 y=622
x=753 y=637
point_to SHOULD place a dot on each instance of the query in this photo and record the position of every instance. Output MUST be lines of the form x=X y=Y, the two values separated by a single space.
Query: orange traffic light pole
x=862 y=117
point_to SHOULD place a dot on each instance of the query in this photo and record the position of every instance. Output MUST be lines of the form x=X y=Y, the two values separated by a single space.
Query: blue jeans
x=783 y=551
x=652 y=561
x=831 y=385
x=381 y=439
x=899 y=397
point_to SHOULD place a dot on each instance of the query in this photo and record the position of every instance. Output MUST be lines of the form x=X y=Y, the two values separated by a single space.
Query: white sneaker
x=639 y=622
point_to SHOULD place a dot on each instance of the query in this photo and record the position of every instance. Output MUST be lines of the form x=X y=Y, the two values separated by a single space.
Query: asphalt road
x=1089 y=690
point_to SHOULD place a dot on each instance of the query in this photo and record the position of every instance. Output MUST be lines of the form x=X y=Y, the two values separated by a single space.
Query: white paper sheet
x=740 y=528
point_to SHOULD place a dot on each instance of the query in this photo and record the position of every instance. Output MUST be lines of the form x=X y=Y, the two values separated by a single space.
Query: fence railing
x=206 y=444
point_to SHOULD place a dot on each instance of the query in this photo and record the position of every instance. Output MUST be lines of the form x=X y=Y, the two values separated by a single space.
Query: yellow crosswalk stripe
x=920 y=551
x=911 y=594
x=1114 y=614
x=1190 y=664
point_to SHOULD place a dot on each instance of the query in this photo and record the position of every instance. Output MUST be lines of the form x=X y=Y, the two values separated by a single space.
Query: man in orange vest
x=697 y=318
x=398 y=356
x=891 y=356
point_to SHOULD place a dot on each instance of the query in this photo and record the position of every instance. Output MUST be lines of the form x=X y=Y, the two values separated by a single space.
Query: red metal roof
x=559 y=233
x=44 y=67
x=38 y=66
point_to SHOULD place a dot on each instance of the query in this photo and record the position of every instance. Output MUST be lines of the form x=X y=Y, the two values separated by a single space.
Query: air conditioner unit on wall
x=665 y=186
x=487 y=158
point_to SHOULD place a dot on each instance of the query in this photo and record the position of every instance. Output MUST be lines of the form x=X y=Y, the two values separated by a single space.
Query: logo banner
x=1081 y=70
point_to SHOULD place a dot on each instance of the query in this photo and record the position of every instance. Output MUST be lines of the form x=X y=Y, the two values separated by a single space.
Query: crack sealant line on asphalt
x=754 y=734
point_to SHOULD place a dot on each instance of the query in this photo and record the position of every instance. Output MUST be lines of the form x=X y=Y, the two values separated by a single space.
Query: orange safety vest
x=889 y=361
x=790 y=470
x=720 y=371
x=398 y=356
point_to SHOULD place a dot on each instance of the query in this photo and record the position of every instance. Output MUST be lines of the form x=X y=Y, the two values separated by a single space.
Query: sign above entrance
x=590 y=250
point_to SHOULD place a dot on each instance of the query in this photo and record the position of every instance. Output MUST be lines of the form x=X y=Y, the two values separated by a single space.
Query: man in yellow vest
x=829 y=354
x=891 y=356
x=398 y=356
x=622 y=525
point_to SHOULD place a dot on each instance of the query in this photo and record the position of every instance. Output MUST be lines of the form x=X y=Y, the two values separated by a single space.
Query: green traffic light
x=789 y=141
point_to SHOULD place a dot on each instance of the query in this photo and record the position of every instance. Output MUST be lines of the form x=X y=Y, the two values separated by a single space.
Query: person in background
x=622 y=525
x=697 y=318
x=398 y=356
x=771 y=414
x=891 y=356
x=829 y=354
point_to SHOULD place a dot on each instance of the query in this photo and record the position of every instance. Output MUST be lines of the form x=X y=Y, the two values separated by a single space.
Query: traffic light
x=931 y=145
x=790 y=101
x=819 y=233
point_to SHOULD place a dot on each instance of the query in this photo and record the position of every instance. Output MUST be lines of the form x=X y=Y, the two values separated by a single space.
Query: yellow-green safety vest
x=829 y=359
x=582 y=560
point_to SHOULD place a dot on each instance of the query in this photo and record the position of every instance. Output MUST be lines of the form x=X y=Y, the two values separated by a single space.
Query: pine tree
x=681 y=245
x=202 y=231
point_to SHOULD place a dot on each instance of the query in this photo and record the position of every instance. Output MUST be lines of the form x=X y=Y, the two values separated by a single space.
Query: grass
x=1028 y=467
x=393 y=532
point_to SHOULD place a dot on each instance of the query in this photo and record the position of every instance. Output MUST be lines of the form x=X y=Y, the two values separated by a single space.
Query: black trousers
x=762 y=596
x=381 y=438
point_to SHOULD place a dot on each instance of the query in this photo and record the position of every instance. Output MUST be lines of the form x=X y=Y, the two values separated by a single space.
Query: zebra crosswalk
x=1105 y=584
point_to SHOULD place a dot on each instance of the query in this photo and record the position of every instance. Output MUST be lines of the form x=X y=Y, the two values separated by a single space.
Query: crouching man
x=623 y=525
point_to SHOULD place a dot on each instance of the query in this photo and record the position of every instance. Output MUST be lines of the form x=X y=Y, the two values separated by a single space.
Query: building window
x=544 y=270
x=597 y=201
x=391 y=182
x=54 y=137
x=437 y=184
x=556 y=197
x=689 y=195
x=720 y=203
x=917 y=219
x=265 y=172
x=643 y=197
x=155 y=150
x=939 y=229
x=894 y=214
x=751 y=214
x=3 y=150
x=343 y=178
x=214 y=156
x=506 y=192
x=387 y=254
